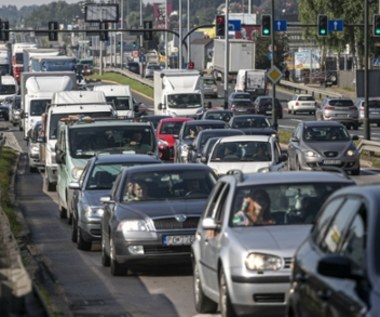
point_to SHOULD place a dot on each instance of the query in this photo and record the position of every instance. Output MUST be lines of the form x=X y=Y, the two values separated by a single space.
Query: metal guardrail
x=302 y=88
x=369 y=146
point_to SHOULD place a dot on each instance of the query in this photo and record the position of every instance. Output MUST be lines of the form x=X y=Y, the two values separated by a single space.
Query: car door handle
x=325 y=294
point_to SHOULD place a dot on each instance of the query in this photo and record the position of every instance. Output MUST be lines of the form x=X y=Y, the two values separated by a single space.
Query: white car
x=248 y=153
x=301 y=103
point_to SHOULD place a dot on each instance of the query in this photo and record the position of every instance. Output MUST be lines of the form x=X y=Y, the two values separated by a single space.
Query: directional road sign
x=280 y=25
x=336 y=25
x=234 y=25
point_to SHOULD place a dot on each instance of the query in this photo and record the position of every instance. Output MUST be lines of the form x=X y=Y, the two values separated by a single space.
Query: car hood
x=248 y=167
x=161 y=208
x=322 y=147
x=269 y=238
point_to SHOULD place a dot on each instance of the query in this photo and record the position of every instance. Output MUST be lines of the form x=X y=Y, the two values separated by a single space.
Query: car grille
x=288 y=262
x=172 y=223
x=269 y=298
x=330 y=154
x=158 y=249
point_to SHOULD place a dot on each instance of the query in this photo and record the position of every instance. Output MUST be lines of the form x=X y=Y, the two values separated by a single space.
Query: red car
x=165 y=132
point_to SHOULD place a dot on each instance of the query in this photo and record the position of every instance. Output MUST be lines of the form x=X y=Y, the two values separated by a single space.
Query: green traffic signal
x=376 y=25
x=266 y=25
x=322 y=25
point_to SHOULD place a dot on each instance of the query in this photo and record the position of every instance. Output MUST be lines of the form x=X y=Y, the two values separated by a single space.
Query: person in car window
x=129 y=195
x=255 y=210
x=139 y=191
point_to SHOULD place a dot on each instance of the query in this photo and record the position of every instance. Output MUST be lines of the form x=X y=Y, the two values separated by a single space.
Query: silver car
x=338 y=109
x=315 y=145
x=210 y=87
x=244 y=266
x=373 y=110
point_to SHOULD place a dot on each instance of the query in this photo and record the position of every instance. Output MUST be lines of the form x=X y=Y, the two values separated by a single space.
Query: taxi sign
x=274 y=74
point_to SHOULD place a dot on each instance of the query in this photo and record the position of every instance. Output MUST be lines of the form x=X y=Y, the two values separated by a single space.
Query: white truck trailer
x=241 y=56
x=36 y=92
x=178 y=93
x=253 y=81
x=5 y=59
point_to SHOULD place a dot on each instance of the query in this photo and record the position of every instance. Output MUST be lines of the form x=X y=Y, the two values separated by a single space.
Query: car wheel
x=203 y=304
x=74 y=228
x=82 y=244
x=106 y=260
x=226 y=308
x=117 y=269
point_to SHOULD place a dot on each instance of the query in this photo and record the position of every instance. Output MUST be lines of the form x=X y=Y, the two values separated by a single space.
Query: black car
x=196 y=147
x=96 y=181
x=133 y=67
x=189 y=132
x=154 y=119
x=336 y=269
x=252 y=124
x=263 y=105
x=216 y=114
x=152 y=214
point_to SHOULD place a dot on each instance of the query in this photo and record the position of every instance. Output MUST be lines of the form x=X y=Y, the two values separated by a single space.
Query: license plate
x=178 y=240
x=375 y=112
x=331 y=162
x=268 y=112
x=342 y=115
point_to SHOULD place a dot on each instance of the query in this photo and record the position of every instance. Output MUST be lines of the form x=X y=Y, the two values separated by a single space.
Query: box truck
x=178 y=93
x=253 y=81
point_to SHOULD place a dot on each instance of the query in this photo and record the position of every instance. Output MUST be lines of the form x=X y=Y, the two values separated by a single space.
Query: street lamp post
x=226 y=55
x=141 y=23
x=180 y=35
x=122 y=35
x=188 y=30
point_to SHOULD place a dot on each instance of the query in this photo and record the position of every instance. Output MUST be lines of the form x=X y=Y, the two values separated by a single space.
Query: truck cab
x=178 y=93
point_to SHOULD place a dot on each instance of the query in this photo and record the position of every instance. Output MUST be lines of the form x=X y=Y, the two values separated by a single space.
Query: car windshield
x=191 y=131
x=306 y=98
x=7 y=89
x=170 y=127
x=282 y=204
x=168 y=185
x=341 y=103
x=326 y=134
x=242 y=104
x=209 y=81
x=38 y=106
x=257 y=122
x=225 y=116
x=184 y=101
x=239 y=151
x=241 y=96
x=86 y=142
x=102 y=176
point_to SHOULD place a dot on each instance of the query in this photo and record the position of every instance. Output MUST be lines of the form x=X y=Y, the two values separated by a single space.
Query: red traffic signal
x=220 y=25
x=190 y=65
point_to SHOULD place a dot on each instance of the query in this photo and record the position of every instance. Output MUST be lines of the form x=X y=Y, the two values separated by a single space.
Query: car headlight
x=263 y=170
x=162 y=143
x=184 y=148
x=132 y=225
x=351 y=152
x=76 y=172
x=199 y=112
x=93 y=211
x=263 y=262
x=310 y=153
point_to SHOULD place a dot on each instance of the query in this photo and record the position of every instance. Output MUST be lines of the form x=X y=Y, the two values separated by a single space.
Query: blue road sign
x=336 y=25
x=234 y=25
x=280 y=25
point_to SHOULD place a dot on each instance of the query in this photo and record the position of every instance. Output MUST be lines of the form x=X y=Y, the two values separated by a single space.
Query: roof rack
x=237 y=173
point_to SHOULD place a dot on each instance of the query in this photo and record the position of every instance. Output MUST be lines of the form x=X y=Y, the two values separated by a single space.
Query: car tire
x=106 y=259
x=203 y=304
x=82 y=244
x=74 y=228
x=226 y=308
x=117 y=269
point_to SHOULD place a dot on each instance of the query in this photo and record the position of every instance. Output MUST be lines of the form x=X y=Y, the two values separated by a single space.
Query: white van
x=64 y=104
x=8 y=87
x=120 y=97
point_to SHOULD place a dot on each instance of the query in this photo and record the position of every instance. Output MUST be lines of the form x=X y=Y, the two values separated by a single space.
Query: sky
x=20 y=3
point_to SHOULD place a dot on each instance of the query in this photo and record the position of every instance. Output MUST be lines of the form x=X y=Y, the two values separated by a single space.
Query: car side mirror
x=283 y=157
x=355 y=137
x=175 y=136
x=336 y=266
x=60 y=157
x=203 y=159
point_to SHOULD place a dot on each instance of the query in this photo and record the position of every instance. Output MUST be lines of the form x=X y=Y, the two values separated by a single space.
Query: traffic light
x=190 y=65
x=322 y=25
x=376 y=25
x=4 y=31
x=103 y=31
x=148 y=35
x=266 y=25
x=53 y=31
x=220 y=25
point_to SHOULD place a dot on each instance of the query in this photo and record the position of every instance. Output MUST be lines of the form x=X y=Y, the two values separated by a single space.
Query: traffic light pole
x=226 y=56
x=367 y=132
x=274 y=110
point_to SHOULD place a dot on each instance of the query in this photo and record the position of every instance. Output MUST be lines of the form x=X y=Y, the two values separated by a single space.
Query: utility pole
x=226 y=56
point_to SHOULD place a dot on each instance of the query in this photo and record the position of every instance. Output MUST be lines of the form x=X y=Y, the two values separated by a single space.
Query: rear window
x=306 y=98
x=374 y=104
x=341 y=103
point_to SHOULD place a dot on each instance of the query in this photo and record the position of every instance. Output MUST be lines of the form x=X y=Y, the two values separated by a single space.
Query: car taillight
x=328 y=107
x=361 y=109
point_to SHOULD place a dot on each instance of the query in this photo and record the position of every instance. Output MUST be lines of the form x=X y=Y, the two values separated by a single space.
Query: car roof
x=289 y=177
x=204 y=122
x=176 y=119
x=221 y=131
x=322 y=123
x=121 y=158
x=110 y=123
x=170 y=167
x=245 y=137
x=247 y=116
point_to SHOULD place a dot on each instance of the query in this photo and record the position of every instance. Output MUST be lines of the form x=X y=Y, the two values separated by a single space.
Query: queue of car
x=182 y=197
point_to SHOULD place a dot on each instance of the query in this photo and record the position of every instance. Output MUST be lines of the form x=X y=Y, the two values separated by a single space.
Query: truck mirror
x=160 y=107
x=60 y=157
